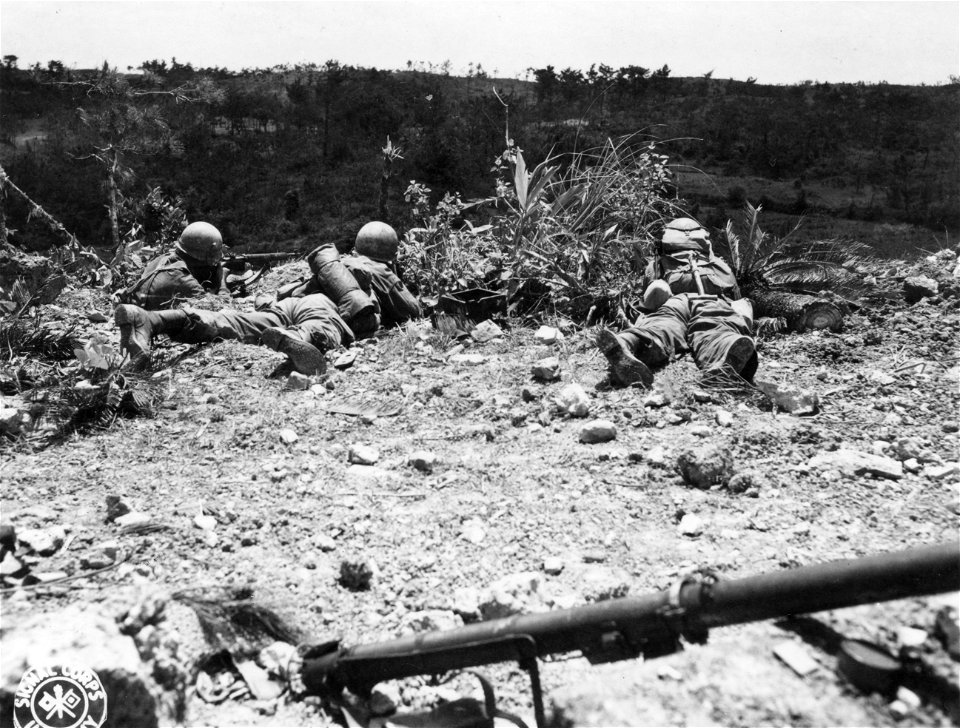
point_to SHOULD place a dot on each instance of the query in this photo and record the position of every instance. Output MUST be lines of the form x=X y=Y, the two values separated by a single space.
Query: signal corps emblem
x=65 y=696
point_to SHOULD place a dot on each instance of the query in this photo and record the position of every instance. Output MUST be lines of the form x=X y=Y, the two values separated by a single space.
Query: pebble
x=471 y=360
x=594 y=557
x=908 y=698
x=705 y=466
x=385 y=699
x=573 y=400
x=298 y=381
x=690 y=525
x=133 y=519
x=363 y=455
x=288 y=436
x=724 y=418
x=553 y=565
x=346 y=359
x=796 y=658
x=548 y=335
x=917 y=287
x=323 y=542
x=486 y=331
x=791 y=399
x=423 y=460
x=44 y=541
x=528 y=395
x=911 y=636
x=355 y=575
x=742 y=482
x=597 y=431
x=546 y=370
x=938 y=472
x=205 y=523
x=854 y=463
x=656 y=400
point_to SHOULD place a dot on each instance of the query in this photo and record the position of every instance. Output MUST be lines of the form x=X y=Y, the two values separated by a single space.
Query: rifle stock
x=650 y=625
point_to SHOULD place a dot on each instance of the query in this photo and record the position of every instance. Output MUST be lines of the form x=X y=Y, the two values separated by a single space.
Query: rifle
x=238 y=263
x=651 y=625
x=240 y=268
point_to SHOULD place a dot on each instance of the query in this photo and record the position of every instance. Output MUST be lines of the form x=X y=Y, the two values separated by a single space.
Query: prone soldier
x=694 y=305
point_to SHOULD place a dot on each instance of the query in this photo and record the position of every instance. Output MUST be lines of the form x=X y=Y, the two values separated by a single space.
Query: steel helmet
x=684 y=234
x=377 y=240
x=202 y=242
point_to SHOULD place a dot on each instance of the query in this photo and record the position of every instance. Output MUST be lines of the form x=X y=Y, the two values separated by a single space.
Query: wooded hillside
x=277 y=157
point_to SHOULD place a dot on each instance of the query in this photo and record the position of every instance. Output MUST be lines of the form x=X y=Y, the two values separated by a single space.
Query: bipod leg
x=527 y=649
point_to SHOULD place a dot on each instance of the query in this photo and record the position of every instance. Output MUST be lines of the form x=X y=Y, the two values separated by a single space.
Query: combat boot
x=138 y=327
x=625 y=368
x=305 y=357
x=338 y=283
x=739 y=362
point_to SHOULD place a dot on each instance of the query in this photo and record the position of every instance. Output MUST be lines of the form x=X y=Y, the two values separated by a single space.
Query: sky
x=774 y=41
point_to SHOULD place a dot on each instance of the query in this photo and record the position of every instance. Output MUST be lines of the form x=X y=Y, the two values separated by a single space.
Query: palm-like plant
x=786 y=279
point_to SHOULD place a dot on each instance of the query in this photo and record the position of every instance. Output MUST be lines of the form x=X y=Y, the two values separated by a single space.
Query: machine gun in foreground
x=651 y=625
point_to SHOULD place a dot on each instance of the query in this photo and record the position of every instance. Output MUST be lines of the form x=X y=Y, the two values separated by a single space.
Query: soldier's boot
x=305 y=357
x=625 y=368
x=338 y=283
x=138 y=327
x=739 y=361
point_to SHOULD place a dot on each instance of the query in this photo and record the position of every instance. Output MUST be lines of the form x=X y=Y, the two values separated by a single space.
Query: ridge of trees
x=238 y=146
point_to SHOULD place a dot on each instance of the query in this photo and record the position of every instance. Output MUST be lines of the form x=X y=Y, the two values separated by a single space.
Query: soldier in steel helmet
x=192 y=269
x=691 y=303
x=364 y=284
x=303 y=325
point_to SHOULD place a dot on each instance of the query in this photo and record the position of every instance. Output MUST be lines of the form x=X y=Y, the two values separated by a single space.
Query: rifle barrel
x=634 y=622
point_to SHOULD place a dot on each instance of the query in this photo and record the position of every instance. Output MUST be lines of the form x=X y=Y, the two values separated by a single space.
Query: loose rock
x=288 y=436
x=546 y=370
x=485 y=331
x=705 y=466
x=917 y=287
x=513 y=594
x=470 y=360
x=854 y=463
x=363 y=455
x=597 y=431
x=423 y=460
x=553 y=565
x=690 y=525
x=298 y=381
x=44 y=541
x=355 y=575
x=574 y=401
x=742 y=482
x=548 y=335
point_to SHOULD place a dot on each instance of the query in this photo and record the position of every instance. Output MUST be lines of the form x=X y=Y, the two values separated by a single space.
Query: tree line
x=298 y=152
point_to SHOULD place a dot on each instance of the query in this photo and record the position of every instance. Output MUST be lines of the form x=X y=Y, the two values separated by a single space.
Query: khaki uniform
x=167 y=279
x=390 y=303
x=313 y=318
x=394 y=303
x=705 y=325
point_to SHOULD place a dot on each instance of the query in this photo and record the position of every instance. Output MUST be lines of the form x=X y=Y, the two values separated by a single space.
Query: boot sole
x=625 y=369
x=306 y=358
x=127 y=317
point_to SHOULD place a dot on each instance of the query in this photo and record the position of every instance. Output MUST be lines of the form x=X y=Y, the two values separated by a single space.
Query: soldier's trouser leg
x=338 y=282
x=316 y=320
x=721 y=337
x=662 y=334
x=205 y=325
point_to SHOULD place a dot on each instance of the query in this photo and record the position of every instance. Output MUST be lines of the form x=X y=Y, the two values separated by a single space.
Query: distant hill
x=282 y=156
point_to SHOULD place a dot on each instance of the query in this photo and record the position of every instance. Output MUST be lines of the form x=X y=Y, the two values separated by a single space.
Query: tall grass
x=568 y=236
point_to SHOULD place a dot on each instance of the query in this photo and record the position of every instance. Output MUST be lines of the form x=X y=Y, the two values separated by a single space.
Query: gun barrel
x=635 y=622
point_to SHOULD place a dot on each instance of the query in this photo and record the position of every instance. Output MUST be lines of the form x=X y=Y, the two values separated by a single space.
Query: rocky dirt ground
x=451 y=480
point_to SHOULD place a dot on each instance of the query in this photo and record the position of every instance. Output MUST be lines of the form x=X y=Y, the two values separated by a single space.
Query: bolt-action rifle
x=247 y=269
x=651 y=625
x=239 y=263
